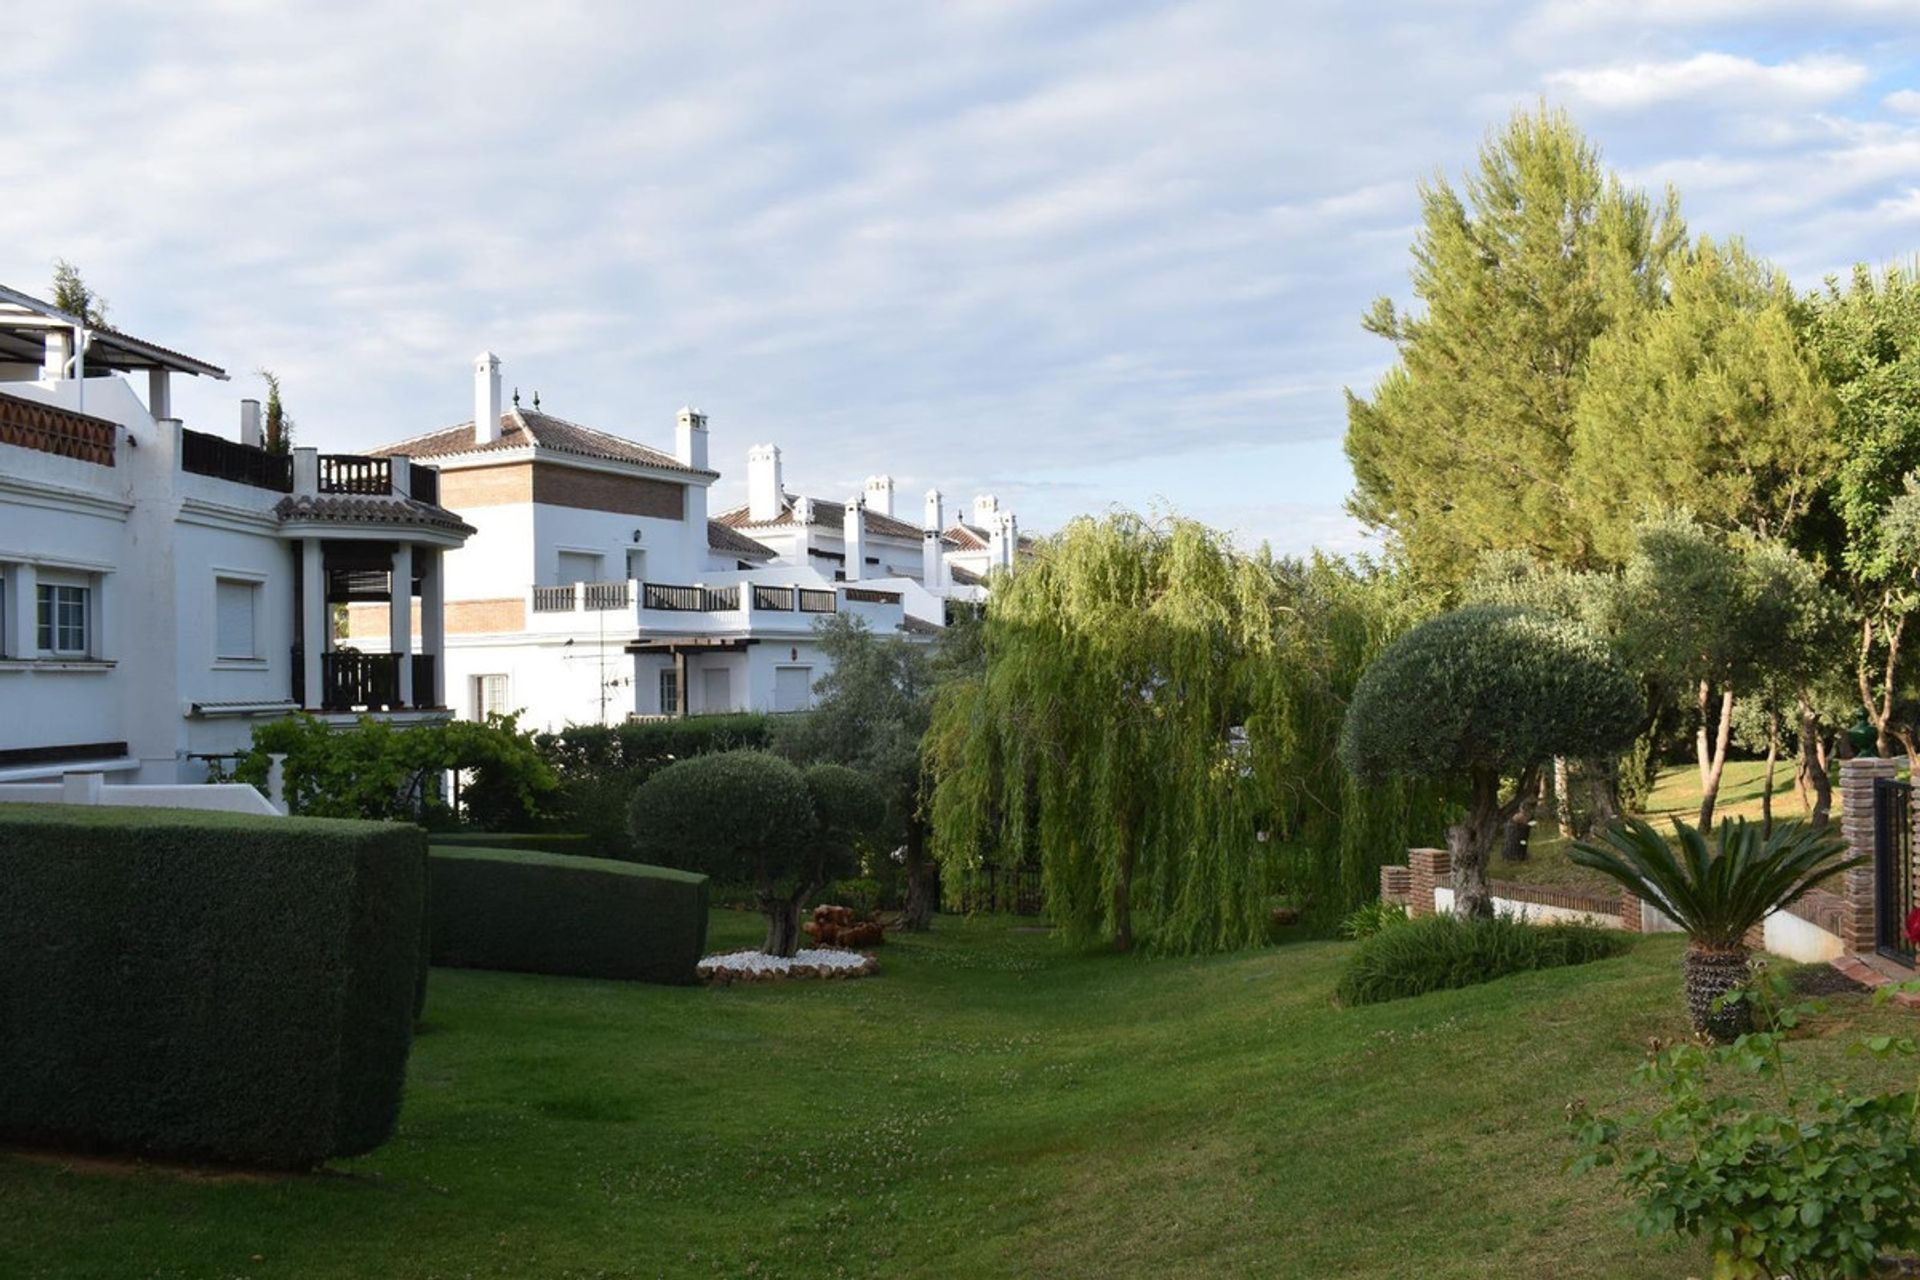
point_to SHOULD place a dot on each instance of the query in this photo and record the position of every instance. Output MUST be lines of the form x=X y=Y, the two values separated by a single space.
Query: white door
x=792 y=688
x=718 y=688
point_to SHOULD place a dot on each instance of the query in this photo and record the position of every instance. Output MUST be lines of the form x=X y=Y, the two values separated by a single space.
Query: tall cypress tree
x=1464 y=445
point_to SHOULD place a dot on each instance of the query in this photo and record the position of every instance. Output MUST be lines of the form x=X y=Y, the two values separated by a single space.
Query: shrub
x=862 y=894
x=751 y=815
x=1364 y=922
x=530 y=912
x=528 y=841
x=1779 y=1176
x=1479 y=695
x=206 y=985
x=1717 y=895
x=1437 y=953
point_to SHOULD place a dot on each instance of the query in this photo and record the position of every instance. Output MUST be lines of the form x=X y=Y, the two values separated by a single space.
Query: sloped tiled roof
x=965 y=537
x=520 y=428
x=734 y=543
x=832 y=515
x=350 y=508
x=966 y=577
x=920 y=626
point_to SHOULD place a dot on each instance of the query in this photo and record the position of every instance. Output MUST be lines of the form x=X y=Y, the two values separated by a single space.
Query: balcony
x=352 y=681
x=695 y=599
x=46 y=428
x=205 y=455
x=355 y=474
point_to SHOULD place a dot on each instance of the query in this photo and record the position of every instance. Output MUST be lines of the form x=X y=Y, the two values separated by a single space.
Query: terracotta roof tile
x=831 y=515
x=349 y=508
x=734 y=543
x=520 y=428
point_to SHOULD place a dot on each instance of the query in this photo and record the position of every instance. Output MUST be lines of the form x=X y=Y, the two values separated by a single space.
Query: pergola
x=67 y=346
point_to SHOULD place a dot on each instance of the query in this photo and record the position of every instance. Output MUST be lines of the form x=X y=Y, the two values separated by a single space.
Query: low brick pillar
x=1629 y=911
x=1857 y=777
x=1396 y=884
x=1427 y=870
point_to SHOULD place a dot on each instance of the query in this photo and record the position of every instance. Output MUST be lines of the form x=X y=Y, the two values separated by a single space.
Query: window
x=489 y=696
x=792 y=688
x=717 y=691
x=636 y=564
x=669 y=692
x=63 y=620
x=578 y=566
x=233 y=614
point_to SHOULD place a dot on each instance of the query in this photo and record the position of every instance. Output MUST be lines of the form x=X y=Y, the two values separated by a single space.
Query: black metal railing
x=675 y=599
x=423 y=484
x=353 y=473
x=779 y=599
x=867 y=595
x=559 y=599
x=223 y=459
x=1892 y=868
x=352 y=681
x=423 y=681
x=602 y=596
x=1014 y=890
x=815 y=601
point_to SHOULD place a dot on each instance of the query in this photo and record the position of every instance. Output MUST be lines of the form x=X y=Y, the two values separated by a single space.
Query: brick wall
x=1857 y=777
x=370 y=622
x=486 y=486
x=1427 y=870
x=1396 y=884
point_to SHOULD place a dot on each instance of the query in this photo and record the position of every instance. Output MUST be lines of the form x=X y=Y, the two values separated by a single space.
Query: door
x=717 y=686
x=792 y=688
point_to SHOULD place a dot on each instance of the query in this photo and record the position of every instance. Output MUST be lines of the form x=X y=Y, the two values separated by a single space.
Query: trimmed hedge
x=206 y=985
x=1442 y=952
x=530 y=912
x=572 y=842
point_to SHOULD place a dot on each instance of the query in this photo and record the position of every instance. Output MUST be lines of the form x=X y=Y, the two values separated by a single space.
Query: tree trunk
x=783 y=925
x=1513 y=843
x=1822 y=782
x=1773 y=757
x=920 y=880
x=1563 y=798
x=1717 y=760
x=1711 y=974
x=1603 y=786
x=1468 y=844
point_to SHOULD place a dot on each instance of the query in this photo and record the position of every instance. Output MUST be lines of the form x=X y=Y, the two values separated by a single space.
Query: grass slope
x=991 y=1105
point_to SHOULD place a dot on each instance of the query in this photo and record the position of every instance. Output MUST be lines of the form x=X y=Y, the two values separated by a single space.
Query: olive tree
x=750 y=815
x=1483 y=695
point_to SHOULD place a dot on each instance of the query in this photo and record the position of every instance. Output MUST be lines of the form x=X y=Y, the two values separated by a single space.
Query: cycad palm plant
x=1716 y=895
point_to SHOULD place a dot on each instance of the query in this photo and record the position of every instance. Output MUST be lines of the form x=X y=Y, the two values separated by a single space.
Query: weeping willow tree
x=1155 y=728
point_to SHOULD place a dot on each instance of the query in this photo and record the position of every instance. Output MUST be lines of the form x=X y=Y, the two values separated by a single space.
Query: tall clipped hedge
x=530 y=912
x=206 y=985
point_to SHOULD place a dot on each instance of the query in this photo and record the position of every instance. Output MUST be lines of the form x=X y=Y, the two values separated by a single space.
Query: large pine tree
x=1464 y=446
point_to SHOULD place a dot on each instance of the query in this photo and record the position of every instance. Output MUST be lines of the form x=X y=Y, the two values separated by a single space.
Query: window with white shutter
x=233 y=619
x=578 y=566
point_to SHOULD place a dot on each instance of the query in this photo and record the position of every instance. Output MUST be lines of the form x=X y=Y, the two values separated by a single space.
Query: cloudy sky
x=1076 y=253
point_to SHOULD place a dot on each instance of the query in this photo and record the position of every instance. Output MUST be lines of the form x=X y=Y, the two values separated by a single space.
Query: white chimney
x=936 y=516
x=854 y=535
x=985 y=505
x=880 y=494
x=1007 y=532
x=690 y=439
x=486 y=398
x=766 y=496
x=250 y=430
x=932 y=561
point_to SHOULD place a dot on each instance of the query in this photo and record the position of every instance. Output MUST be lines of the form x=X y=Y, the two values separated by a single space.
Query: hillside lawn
x=990 y=1105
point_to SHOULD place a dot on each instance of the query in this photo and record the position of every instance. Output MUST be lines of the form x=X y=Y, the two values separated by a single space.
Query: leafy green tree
x=750 y=815
x=1466 y=444
x=1709 y=402
x=1484 y=694
x=870 y=713
x=1100 y=737
x=1716 y=620
x=72 y=295
x=1866 y=338
x=278 y=426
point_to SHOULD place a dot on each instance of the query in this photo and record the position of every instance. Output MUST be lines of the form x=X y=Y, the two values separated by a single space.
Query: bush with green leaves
x=1716 y=894
x=1438 y=953
x=750 y=815
x=206 y=985
x=1779 y=1176
x=380 y=770
x=599 y=766
x=1480 y=695
x=1364 y=922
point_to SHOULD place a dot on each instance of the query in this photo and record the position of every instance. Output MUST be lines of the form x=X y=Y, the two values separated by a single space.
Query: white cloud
x=1629 y=86
x=1905 y=101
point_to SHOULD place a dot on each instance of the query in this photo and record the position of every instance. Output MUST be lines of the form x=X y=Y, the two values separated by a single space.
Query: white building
x=163 y=590
x=595 y=587
x=869 y=537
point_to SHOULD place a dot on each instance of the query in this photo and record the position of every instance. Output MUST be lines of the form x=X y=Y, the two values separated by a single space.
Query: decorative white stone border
x=808 y=962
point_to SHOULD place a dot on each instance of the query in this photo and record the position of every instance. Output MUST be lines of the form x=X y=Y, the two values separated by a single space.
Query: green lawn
x=990 y=1105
